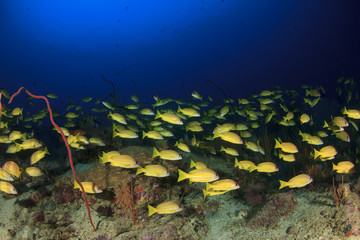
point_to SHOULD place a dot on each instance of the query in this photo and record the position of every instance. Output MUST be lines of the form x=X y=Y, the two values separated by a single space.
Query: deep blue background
x=151 y=47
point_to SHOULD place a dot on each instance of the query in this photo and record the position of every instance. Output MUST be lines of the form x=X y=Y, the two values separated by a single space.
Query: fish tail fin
x=316 y=153
x=236 y=162
x=155 y=153
x=277 y=144
x=158 y=114
x=208 y=186
x=326 y=125
x=76 y=185
x=307 y=92
x=152 y=210
x=192 y=164
x=345 y=111
x=334 y=167
x=282 y=184
x=179 y=108
x=46 y=151
x=109 y=115
x=144 y=134
x=139 y=170
x=252 y=168
x=103 y=158
x=182 y=175
x=205 y=193
x=222 y=149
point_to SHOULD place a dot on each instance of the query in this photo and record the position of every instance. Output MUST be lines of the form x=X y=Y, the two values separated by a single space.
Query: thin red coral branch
x=66 y=144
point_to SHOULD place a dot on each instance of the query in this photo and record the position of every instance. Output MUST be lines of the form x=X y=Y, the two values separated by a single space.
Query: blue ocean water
x=131 y=55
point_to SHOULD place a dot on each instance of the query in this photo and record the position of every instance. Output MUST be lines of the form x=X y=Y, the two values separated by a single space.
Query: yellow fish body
x=166 y=154
x=169 y=117
x=268 y=167
x=153 y=171
x=33 y=171
x=287 y=147
x=230 y=151
x=244 y=164
x=297 y=181
x=182 y=146
x=199 y=175
x=343 y=167
x=164 y=208
x=89 y=187
x=12 y=168
x=229 y=137
x=7 y=187
x=153 y=135
x=38 y=155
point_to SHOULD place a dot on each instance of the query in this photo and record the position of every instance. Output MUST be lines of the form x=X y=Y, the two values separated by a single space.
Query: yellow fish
x=71 y=115
x=97 y=141
x=196 y=95
x=89 y=187
x=64 y=130
x=38 y=155
x=147 y=111
x=226 y=127
x=4 y=139
x=197 y=165
x=182 y=146
x=51 y=95
x=13 y=148
x=153 y=135
x=166 y=133
x=297 y=181
x=199 y=175
x=229 y=137
x=189 y=112
x=108 y=105
x=268 y=167
x=34 y=171
x=124 y=161
x=287 y=147
x=230 y=151
x=7 y=187
x=325 y=153
x=344 y=167
x=252 y=146
x=352 y=113
x=125 y=134
x=153 y=171
x=287 y=157
x=16 y=111
x=343 y=136
x=166 y=154
x=164 y=208
x=169 y=117
x=194 y=128
x=15 y=135
x=87 y=99
x=4 y=175
x=244 y=164
x=30 y=144
x=304 y=118
x=222 y=185
x=117 y=117
x=12 y=168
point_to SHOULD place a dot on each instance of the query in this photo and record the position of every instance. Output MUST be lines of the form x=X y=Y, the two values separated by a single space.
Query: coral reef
x=277 y=206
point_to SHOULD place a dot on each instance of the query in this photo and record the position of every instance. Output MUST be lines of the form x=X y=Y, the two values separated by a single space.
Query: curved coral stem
x=66 y=144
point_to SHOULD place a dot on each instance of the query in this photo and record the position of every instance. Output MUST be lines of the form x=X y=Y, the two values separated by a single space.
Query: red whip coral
x=66 y=144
